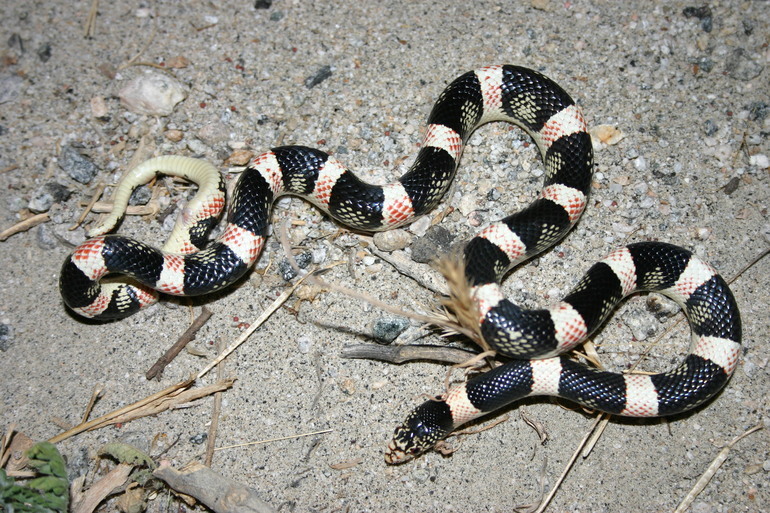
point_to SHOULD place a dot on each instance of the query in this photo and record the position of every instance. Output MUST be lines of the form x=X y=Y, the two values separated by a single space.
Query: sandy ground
x=690 y=94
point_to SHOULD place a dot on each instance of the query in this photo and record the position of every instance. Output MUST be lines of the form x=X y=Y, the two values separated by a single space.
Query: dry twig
x=174 y=395
x=90 y=27
x=97 y=194
x=25 y=225
x=711 y=470
x=157 y=369
x=212 y=436
x=401 y=354
x=100 y=490
x=217 y=492
x=270 y=440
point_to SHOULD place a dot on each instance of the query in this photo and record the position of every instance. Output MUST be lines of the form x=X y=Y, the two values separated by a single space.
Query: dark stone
x=59 y=192
x=6 y=336
x=435 y=243
x=387 y=329
x=140 y=196
x=263 y=4
x=322 y=74
x=199 y=438
x=758 y=111
x=44 y=52
x=77 y=166
x=703 y=13
x=287 y=271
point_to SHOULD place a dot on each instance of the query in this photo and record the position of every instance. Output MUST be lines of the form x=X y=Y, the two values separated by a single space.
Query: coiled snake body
x=534 y=338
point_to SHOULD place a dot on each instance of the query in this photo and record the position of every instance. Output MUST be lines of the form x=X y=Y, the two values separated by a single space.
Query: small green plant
x=47 y=493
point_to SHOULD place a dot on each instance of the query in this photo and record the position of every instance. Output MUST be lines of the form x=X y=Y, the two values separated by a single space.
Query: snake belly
x=186 y=266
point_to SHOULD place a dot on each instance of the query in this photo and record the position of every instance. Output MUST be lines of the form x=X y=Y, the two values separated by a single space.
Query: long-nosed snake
x=535 y=338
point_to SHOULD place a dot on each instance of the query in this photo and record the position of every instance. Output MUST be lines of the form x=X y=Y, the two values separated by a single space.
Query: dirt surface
x=686 y=85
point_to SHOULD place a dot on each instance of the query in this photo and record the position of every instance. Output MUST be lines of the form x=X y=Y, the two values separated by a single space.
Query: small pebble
x=467 y=204
x=703 y=13
x=99 y=107
x=41 y=201
x=214 y=133
x=44 y=52
x=263 y=4
x=76 y=165
x=174 y=135
x=732 y=185
x=199 y=438
x=304 y=344
x=6 y=336
x=703 y=233
x=436 y=242
x=140 y=196
x=287 y=271
x=741 y=66
x=348 y=386
x=759 y=160
x=392 y=240
x=10 y=88
x=475 y=219
x=710 y=128
x=387 y=329
x=322 y=74
x=240 y=157
x=153 y=94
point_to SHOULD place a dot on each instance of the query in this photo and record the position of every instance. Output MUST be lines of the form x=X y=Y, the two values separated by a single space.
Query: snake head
x=422 y=429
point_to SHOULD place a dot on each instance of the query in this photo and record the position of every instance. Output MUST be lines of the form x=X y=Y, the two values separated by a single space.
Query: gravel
x=685 y=84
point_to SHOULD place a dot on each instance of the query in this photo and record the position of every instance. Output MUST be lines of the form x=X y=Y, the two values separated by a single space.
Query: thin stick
x=96 y=393
x=291 y=437
x=157 y=369
x=401 y=354
x=252 y=328
x=435 y=320
x=116 y=413
x=25 y=225
x=90 y=27
x=4 y=443
x=748 y=266
x=567 y=468
x=604 y=420
x=211 y=440
x=130 y=61
x=704 y=480
x=97 y=194
x=404 y=271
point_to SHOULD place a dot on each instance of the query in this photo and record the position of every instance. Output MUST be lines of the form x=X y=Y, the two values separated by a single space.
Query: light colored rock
x=152 y=93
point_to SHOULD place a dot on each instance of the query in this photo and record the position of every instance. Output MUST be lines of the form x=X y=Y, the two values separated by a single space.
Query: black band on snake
x=186 y=266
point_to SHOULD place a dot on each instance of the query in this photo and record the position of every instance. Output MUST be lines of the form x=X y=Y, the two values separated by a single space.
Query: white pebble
x=304 y=344
x=759 y=160
x=392 y=240
x=152 y=93
x=467 y=204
